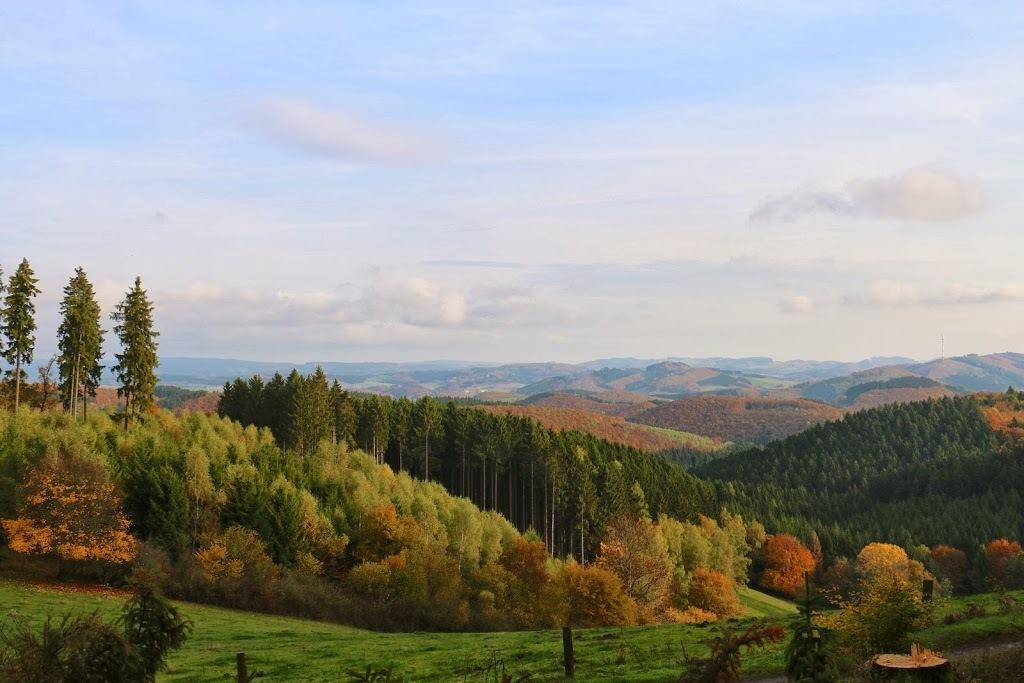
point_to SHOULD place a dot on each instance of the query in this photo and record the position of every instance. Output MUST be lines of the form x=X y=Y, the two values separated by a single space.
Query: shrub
x=723 y=664
x=595 y=597
x=714 y=592
x=882 y=615
x=154 y=628
x=689 y=615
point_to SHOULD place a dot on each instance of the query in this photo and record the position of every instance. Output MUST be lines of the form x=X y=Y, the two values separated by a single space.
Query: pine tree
x=2 y=287
x=19 y=322
x=80 y=342
x=428 y=423
x=311 y=413
x=137 y=362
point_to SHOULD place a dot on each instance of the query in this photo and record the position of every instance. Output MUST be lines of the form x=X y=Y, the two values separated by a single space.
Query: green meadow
x=289 y=649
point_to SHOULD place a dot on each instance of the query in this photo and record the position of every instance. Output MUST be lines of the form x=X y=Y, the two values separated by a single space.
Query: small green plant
x=723 y=664
x=87 y=649
x=808 y=654
x=73 y=649
x=154 y=628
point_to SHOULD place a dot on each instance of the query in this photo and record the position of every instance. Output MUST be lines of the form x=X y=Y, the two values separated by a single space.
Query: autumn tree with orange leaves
x=634 y=551
x=71 y=511
x=786 y=560
x=951 y=564
x=998 y=554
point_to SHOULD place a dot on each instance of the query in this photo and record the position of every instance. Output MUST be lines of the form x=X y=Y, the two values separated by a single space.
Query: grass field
x=298 y=650
x=760 y=604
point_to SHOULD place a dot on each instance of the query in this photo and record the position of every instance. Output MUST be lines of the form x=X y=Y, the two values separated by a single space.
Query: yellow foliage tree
x=634 y=551
x=71 y=510
x=882 y=561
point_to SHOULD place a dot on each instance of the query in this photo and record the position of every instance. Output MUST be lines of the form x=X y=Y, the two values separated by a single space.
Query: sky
x=524 y=181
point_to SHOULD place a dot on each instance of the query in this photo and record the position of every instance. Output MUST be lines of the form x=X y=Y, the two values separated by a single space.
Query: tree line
x=80 y=338
x=565 y=485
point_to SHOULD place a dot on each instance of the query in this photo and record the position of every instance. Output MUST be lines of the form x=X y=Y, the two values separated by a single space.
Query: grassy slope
x=760 y=604
x=297 y=650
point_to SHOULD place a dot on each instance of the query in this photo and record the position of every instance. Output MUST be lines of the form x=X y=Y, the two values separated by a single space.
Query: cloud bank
x=887 y=293
x=924 y=195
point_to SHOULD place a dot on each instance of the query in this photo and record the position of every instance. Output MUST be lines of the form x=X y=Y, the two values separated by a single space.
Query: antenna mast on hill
x=942 y=346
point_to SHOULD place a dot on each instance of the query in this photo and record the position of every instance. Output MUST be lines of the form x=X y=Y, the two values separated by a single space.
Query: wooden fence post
x=242 y=671
x=567 y=654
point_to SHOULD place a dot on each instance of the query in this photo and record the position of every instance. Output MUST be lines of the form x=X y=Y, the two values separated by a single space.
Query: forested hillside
x=734 y=418
x=561 y=483
x=926 y=472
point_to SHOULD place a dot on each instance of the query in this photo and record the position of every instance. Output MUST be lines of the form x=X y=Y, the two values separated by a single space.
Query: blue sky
x=524 y=181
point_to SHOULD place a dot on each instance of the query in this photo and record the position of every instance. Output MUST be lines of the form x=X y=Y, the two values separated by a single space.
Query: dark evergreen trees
x=564 y=485
x=79 y=343
x=137 y=362
x=18 y=323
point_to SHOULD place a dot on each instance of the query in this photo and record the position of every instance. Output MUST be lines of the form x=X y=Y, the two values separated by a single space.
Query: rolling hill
x=992 y=372
x=873 y=388
x=732 y=418
x=619 y=403
x=924 y=472
x=664 y=379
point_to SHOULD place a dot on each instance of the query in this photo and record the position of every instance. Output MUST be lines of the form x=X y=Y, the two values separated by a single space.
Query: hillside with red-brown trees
x=609 y=427
x=733 y=418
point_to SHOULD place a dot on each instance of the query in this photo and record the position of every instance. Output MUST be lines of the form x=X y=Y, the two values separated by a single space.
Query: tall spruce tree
x=311 y=413
x=80 y=343
x=137 y=362
x=19 y=322
x=2 y=287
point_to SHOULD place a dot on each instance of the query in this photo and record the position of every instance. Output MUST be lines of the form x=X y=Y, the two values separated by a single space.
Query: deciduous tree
x=997 y=554
x=634 y=551
x=786 y=561
x=71 y=510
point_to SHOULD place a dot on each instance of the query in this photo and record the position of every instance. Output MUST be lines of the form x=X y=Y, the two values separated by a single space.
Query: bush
x=72 y=650
x=88 y=650
x=714 y=592
x=154 y=628
x=882 y=615
x=596 y=597
x=723 y=664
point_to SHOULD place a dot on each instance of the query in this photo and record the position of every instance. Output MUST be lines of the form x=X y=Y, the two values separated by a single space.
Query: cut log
x=919 y=665
x=904 y=662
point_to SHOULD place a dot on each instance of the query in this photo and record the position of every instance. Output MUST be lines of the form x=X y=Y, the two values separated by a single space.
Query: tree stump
x=919 y=665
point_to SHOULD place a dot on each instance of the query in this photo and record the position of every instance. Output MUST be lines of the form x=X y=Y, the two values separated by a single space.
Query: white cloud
x=887 y=293
x=340 y=135
x=797 y=304
x=926 y=195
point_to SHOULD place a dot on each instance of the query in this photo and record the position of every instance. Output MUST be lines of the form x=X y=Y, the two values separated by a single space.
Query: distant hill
x=678 y=377
x=879 y=386
x=732 y=418
x=993 y=372
x=611 y=428
x=664 y=379
x=619 y=403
